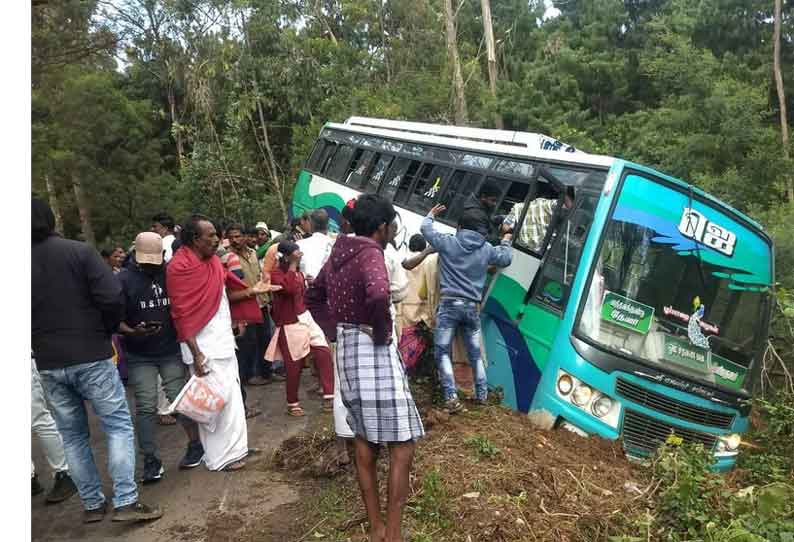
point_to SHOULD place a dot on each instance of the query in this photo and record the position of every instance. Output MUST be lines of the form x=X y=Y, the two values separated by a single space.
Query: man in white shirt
x=317 y=247
x=163 y=225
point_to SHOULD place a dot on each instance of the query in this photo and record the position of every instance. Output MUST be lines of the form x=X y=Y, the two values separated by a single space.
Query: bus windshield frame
x=705 y=324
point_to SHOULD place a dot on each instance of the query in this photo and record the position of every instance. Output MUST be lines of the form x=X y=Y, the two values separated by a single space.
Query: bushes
x=754 y=504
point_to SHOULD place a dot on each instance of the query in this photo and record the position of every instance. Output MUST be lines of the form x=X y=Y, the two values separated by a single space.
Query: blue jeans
x=454 y=314
x=99 y=384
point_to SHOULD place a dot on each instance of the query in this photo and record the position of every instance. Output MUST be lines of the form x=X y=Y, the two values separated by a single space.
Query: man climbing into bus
x=481 y=208
x=464 y=258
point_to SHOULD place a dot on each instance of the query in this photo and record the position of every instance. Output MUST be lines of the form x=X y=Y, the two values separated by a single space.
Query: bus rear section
x=662 y=332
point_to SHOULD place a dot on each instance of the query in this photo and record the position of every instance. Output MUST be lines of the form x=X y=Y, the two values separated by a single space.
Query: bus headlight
x=582 y=395
x=601 y=406
x=564 y=384
x=732 y=442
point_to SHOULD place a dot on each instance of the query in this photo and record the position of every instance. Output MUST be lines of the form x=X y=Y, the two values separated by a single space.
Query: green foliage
x=430 y=508
x=694 y=503
x=484 y=447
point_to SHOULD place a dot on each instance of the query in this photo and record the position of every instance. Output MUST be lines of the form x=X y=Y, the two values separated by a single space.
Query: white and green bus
x=641 y=315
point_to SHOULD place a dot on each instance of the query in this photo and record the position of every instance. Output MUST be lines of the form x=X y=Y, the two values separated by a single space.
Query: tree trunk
x=382 y=22
x=491 y=49
x=270 y=161
x=461 y=115
x=180 y=151
x=85 y=214
x=56 y=208
x=781 y=97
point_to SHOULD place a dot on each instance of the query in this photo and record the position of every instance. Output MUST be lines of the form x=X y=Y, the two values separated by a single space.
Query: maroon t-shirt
x=355 y=283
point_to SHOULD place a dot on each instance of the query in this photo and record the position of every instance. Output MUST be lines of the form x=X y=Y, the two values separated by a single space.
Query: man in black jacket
x=76 y=305
x=481 y=208
x=152 y=350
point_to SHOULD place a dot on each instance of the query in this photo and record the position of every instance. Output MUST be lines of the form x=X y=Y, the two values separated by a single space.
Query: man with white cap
x=152 y=350
x=262 y=240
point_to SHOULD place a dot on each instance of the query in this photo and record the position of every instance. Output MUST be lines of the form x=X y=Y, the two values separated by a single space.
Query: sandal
x=252 y=412
x=237 y=465
x=295 y=410
x=328 y=404
x=166 y=419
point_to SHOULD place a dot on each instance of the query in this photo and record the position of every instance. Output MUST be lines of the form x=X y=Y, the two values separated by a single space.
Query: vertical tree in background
x=781 y=97
x=491 y=50
x=459 y=101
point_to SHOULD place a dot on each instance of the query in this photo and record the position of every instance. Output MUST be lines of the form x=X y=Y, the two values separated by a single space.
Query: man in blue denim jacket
x=464 y=259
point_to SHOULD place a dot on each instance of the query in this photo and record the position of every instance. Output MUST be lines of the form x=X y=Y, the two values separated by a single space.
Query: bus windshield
x=688 y=306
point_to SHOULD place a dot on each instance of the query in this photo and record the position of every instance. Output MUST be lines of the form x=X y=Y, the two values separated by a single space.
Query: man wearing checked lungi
x=372 y=378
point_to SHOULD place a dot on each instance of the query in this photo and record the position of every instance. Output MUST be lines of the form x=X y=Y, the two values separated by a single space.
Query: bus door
x=505 y=351
x=540 y=317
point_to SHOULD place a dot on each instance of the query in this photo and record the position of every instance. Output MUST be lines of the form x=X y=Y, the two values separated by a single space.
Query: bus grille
x=644 y=434
x=672 y=407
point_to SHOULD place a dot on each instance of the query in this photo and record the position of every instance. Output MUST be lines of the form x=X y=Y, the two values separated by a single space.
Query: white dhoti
x=341 y=426
x=229 y=442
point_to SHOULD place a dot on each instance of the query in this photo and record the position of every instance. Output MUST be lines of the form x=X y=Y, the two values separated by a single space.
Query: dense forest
x=140 y=106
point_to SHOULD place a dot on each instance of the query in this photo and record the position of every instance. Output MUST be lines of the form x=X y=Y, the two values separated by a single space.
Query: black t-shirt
x=146 y=300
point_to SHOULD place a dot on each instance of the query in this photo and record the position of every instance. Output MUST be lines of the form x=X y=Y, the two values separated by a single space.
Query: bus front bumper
x=584 y=423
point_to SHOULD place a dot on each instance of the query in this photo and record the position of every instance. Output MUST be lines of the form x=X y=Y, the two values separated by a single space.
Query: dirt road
x=200 y=506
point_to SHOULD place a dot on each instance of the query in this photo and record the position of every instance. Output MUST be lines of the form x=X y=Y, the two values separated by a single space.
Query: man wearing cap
x=152 y=350
x=262 y=240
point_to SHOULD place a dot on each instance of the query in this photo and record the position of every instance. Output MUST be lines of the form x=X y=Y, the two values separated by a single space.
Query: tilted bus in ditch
x=641 y=316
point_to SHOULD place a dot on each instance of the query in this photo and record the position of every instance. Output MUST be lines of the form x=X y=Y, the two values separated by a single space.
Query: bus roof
x=503 y=142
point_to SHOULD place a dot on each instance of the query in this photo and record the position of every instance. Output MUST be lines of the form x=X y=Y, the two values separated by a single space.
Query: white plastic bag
x=203 y=399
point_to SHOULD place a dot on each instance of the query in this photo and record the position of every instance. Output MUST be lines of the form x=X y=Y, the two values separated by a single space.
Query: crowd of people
x=249 y=308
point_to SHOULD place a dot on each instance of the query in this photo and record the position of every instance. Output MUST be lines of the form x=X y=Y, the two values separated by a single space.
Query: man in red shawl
x=200 y=309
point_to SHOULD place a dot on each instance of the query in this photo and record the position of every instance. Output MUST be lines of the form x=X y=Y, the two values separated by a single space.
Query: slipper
x=231 y=468
x=296 y=411
x=252 y=412
x=166 y=419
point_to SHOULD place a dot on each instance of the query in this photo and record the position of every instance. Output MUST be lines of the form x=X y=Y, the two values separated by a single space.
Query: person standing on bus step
x=76 y=305
x=373 y=383
x=464 y=260
x=152 y=352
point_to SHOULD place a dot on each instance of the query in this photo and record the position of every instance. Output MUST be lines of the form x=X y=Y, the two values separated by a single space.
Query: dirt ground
x=200 y=506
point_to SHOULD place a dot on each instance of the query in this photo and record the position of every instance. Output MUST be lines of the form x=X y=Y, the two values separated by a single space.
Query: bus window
x=376 y=176
x=553 y=285
x=532 y=230
x=513 y=202
x=410 y=174
x=515 y=167
x=356 y=172
x=396 y=177
x=338 y=166
x=427 y=188
x=317 y=152
x=326 y=156
x=462 y=185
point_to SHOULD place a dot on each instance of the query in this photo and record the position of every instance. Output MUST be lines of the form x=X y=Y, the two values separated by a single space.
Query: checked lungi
x=375 y=389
